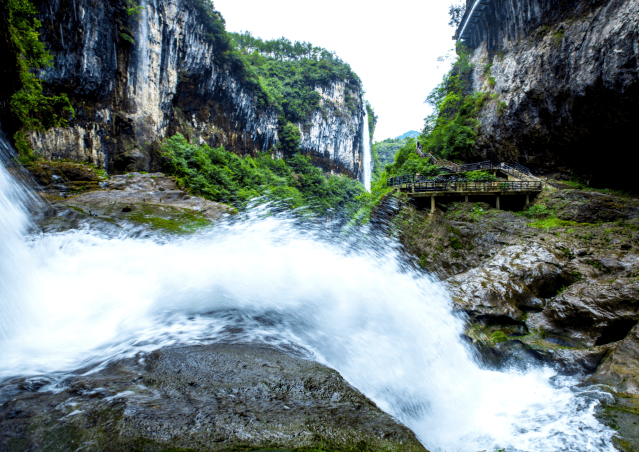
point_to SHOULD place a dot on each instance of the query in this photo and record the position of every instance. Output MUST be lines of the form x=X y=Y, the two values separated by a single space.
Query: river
x=350 y=301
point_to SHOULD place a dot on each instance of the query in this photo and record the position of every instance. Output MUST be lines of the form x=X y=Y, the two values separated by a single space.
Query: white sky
x=392 y=46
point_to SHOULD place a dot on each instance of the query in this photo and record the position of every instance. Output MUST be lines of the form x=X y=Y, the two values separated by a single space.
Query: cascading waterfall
x=16 y=259
x=79 y=298
x=366 y=143
x=142 y=42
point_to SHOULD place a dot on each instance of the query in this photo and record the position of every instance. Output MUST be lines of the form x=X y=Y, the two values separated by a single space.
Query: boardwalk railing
x=514 y=169
x=465 y=187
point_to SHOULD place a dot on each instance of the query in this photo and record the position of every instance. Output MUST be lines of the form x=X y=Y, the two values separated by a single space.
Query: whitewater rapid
x=352 y=302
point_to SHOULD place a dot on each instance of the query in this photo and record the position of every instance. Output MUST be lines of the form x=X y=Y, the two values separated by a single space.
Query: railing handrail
x=465 y=186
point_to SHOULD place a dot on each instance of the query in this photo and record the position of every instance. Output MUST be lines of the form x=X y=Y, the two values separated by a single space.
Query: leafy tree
x=290 y=137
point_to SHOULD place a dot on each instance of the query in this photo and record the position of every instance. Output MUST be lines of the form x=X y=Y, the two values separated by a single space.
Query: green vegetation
x=29 y=104
x=579 y=183
x=289 y=72
x=185 y=222
x=480 y=176
x=456 y=244
x=293 y=182
x=448 y=133
x=549 y=223
x=408 y=162
x=537 y=211
x=372 y=120
x=383 y=152
x=451 y=129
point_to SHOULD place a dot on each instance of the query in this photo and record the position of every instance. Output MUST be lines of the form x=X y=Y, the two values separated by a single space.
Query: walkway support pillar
x=497 y=203
x=432 y=204
x=527 y=200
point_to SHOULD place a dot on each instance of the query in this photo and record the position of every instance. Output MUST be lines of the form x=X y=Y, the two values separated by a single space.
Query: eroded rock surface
x=132 y=200
x=204 y=398
x=559 y=287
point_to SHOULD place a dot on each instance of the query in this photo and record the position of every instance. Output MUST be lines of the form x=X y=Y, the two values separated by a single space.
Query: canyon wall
x=135 y=78
x=564 y=81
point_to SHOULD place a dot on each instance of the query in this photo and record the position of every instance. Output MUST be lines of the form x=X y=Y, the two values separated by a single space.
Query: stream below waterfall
x=349 y=301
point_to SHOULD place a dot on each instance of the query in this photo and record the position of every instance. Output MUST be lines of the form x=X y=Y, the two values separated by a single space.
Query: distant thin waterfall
x=143 y=48
x=366 y=143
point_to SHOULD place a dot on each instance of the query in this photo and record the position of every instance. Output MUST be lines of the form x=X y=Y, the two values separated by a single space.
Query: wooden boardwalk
x=518 y=181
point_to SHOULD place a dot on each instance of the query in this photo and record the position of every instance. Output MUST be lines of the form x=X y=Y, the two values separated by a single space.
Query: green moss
x=185 y=223
x=558 y=36
x=456 y=244
x=549 y=223
x=498 y=336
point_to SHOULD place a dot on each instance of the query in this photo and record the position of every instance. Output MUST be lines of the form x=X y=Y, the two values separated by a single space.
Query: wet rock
x=149 y=200
x=512 y=282
x=210 y=398
x=57 y=178
x=619 y=373
x=597 y=313
x=621 y=368
x=591 y=207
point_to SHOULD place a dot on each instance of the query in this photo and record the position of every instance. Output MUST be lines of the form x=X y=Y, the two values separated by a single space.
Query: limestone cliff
x=564 y=75
x=333 y=134
x=133 y=79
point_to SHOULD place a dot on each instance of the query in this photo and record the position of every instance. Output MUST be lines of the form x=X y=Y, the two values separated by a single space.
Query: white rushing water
x=366 y=143
x=79 y=298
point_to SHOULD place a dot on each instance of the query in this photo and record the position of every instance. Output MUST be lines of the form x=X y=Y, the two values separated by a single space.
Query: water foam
x=350 y=303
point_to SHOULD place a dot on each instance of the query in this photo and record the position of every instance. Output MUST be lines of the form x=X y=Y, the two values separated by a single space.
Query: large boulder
x=200 y=398
x=511 y=283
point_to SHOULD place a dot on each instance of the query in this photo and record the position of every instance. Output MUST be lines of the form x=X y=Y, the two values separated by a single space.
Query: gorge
x=160 y=294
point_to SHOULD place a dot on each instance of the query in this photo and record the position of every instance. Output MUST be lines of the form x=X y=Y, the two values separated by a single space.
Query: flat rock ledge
x=198 y=398
x=150 y=201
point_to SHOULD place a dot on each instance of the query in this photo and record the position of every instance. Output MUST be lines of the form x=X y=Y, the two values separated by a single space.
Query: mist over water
x=349 y=301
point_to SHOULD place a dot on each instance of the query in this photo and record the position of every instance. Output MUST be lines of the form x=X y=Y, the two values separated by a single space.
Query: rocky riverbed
x=557 y=285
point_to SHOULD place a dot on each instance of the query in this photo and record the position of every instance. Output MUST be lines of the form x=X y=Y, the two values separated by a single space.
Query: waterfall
x=366 y=143
x=142 y=41
x=16 y=260
x=79 y=298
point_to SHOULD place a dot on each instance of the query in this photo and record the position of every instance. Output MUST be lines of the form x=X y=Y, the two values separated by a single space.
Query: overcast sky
x=393 y=46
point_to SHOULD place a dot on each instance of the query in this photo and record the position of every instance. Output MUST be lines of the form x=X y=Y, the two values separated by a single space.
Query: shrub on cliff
x=33 y=109
x=452 y=129
x=219 y=175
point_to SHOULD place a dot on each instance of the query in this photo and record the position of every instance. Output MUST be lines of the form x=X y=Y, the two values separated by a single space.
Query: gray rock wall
x=333 y=134
x=564 y=83
x=127 y=96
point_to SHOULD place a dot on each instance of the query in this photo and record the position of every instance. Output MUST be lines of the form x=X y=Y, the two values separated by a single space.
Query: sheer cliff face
x=127 y=96
x=332 y=136
x=565 y=75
